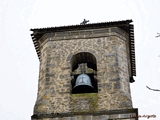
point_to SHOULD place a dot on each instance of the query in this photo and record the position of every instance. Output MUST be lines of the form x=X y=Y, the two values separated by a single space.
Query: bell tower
x=85 y=72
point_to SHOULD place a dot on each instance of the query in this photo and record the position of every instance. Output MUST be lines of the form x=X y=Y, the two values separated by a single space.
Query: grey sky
x=19 y=64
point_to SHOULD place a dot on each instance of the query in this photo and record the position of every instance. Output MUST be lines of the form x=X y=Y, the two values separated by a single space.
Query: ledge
x=122 y=113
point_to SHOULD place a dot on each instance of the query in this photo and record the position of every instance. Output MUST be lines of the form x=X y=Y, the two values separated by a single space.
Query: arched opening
x=84 y=57
x=84 y=69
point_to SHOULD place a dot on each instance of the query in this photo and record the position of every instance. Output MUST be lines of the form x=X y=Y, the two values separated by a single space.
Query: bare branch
x=158 y=35
x=152 y=89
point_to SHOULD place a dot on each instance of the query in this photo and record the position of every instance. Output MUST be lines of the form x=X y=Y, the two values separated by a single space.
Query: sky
x=19 y=64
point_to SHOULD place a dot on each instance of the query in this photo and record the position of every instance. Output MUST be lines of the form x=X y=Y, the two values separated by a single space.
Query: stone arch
x=83 y=57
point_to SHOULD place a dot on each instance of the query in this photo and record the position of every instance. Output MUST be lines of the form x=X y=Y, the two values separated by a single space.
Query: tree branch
x=158 y=35
x=152 y=89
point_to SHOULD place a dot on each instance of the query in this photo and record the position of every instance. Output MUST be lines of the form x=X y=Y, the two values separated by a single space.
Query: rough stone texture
x=83 y=103
x=113 y=72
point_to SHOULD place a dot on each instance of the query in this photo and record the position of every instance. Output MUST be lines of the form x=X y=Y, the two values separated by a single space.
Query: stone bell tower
x=85 y=72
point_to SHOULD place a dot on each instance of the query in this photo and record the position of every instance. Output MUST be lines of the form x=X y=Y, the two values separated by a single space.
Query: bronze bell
x=83 y=84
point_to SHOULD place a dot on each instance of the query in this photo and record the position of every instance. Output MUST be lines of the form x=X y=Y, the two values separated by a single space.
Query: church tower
x=85 y=72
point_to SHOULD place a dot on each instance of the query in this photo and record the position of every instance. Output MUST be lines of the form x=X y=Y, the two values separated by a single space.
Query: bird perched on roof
x=84 y=22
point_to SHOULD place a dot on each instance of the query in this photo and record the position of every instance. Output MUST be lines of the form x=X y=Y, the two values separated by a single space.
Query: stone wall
x=110 y=48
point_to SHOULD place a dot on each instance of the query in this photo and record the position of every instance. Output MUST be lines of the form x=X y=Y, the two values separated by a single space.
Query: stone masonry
x=110 y=47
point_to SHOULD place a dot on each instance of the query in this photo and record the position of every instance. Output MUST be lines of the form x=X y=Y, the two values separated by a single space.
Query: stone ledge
x=112 y=114
x=84 y=34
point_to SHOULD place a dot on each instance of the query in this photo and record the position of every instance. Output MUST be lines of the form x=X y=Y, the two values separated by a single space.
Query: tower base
x=123 y=114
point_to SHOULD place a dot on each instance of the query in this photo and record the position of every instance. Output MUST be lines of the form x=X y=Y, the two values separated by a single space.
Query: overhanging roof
x=124 y=25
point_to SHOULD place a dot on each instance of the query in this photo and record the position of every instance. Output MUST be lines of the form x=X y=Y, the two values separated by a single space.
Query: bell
x=83 y=84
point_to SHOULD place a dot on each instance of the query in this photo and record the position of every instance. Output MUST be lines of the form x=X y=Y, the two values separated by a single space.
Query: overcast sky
x=19 y=64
